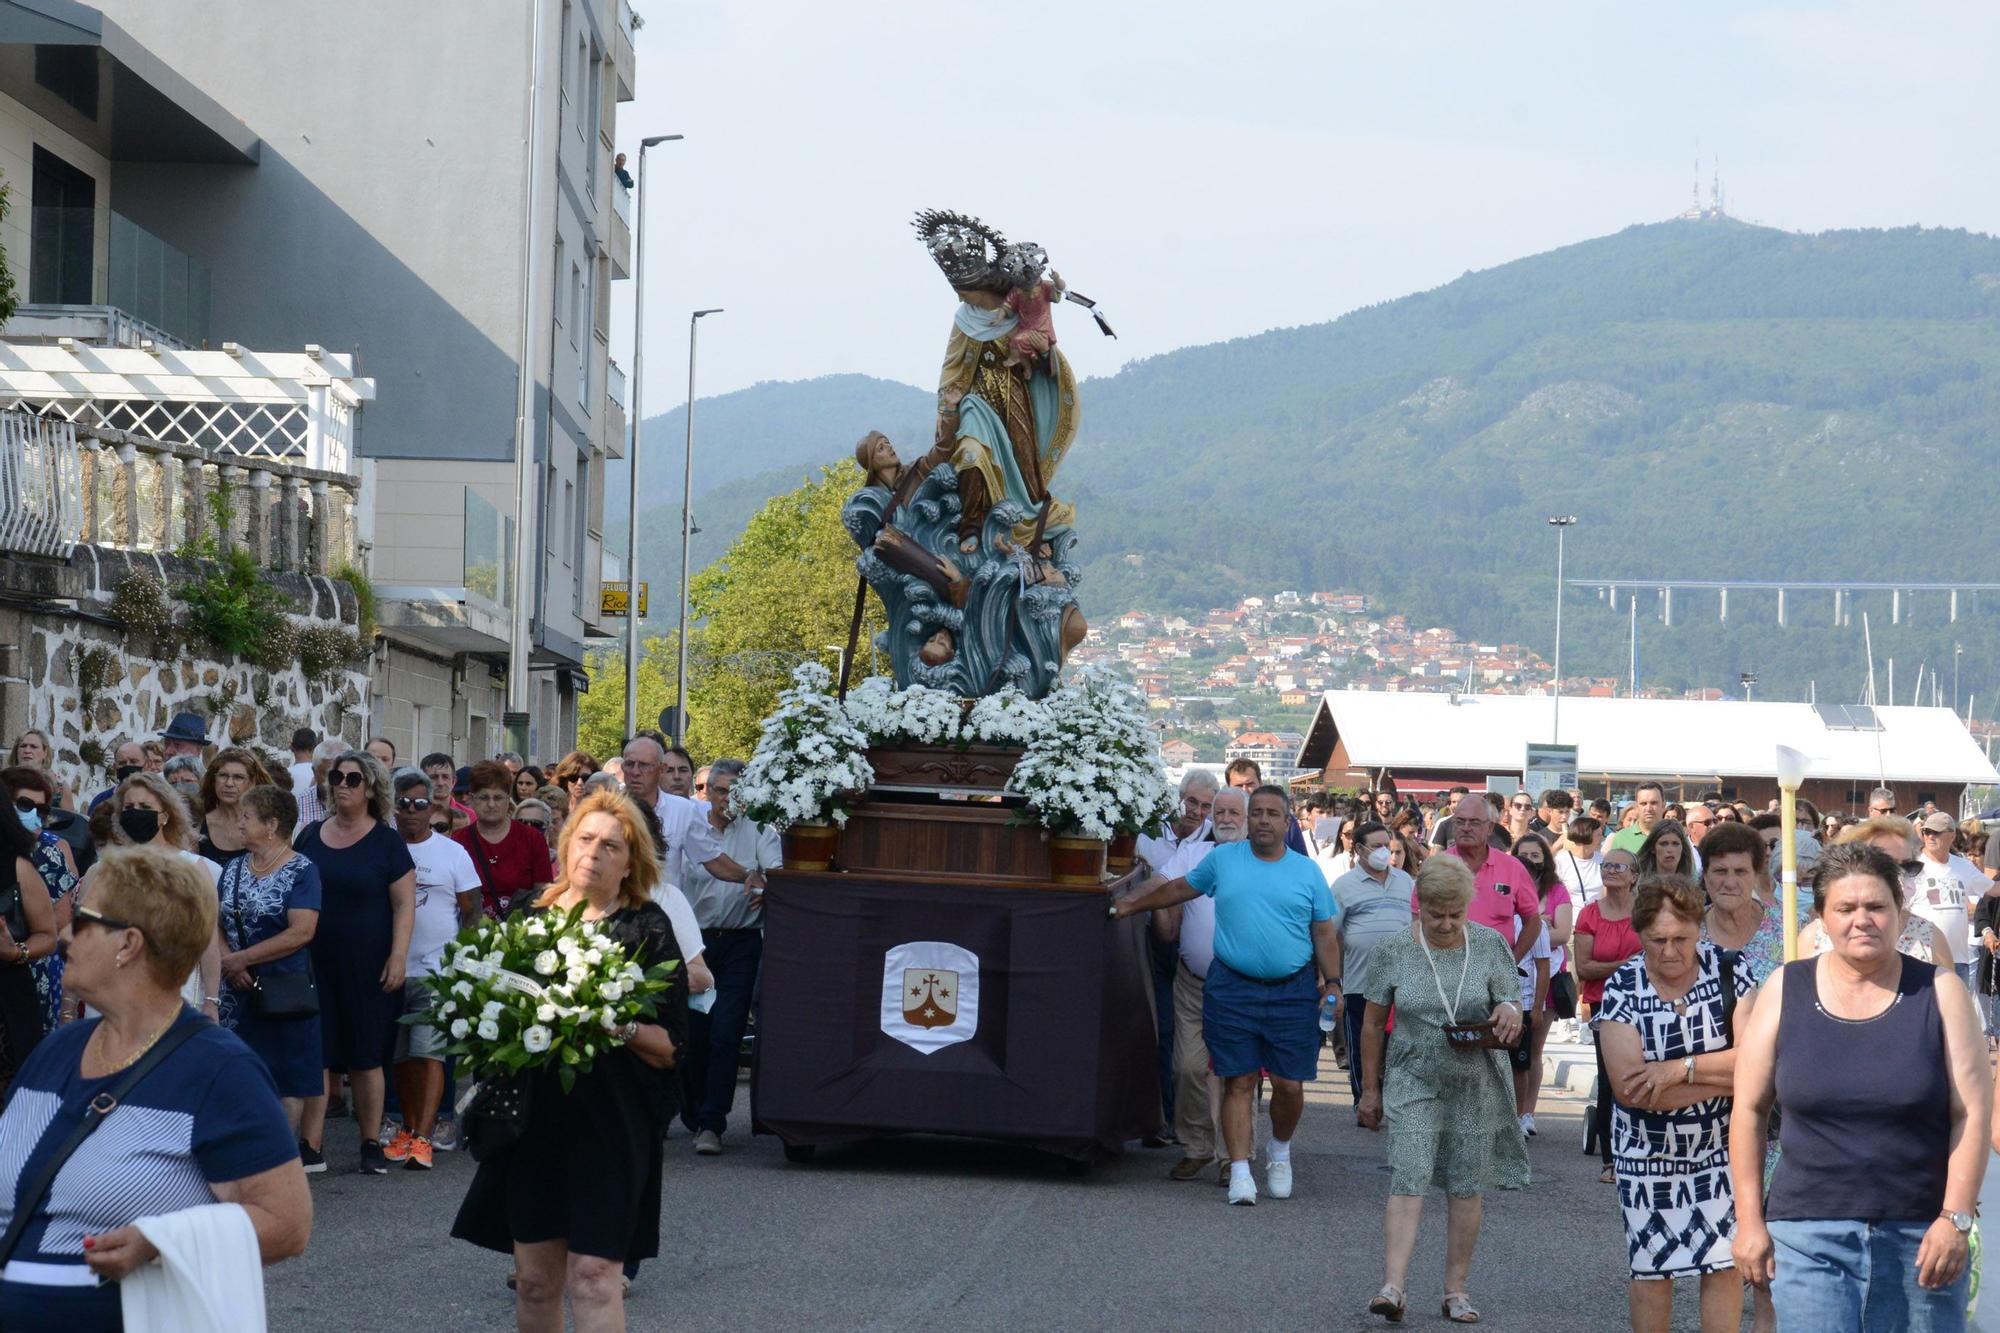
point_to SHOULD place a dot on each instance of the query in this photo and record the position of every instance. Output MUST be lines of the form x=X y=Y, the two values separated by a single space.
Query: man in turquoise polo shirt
x=1274 y=920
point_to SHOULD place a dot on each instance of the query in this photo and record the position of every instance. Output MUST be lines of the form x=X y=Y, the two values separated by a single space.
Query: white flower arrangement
x=1094 y=770
x=502 y=1017
x=810 y=757
x=925 y=716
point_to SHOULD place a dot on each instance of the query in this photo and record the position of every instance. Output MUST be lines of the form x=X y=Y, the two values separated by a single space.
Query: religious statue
x=969 y=549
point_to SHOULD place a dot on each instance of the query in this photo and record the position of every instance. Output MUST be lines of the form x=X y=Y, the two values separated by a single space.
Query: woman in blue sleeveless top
x=1877 y=1062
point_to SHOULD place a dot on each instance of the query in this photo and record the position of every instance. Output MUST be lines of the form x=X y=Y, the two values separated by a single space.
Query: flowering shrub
x=540 y=990
x=1094 y=769
x=810 y=757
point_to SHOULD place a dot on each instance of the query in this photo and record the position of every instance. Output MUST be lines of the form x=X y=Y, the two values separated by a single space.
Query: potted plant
x=1092 y=775
x=810 y=761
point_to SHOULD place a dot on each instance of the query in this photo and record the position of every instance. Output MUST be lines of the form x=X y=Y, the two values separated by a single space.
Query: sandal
x=1608 y=1176
x=1458 y=1308
x=1388 y=1303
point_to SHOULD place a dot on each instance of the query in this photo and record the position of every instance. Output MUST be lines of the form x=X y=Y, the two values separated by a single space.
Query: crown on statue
x=975 y=257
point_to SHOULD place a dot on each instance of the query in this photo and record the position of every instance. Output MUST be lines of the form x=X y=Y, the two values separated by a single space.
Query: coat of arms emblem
x=930 y=994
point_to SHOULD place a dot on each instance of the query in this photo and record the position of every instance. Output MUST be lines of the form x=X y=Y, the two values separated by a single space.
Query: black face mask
x=124 y=771
x=141 y=826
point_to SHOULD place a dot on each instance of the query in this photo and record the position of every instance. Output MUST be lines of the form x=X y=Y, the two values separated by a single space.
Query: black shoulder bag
x=278 y=994
x=36 y=1192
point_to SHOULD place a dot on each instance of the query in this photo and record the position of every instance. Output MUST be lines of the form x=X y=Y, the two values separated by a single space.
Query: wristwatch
x=1961 y=1222
x=1687 y=1063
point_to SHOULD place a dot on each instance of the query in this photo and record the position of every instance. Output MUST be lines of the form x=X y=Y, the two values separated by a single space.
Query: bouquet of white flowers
x=538 y=990
x=809 y=757
x=1095 y=769
x=928 y=716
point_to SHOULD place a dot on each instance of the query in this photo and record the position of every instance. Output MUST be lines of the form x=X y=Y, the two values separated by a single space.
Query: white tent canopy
x=1644 y=737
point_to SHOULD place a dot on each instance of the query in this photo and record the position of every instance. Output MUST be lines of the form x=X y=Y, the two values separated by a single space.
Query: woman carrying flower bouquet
x=578 y=1193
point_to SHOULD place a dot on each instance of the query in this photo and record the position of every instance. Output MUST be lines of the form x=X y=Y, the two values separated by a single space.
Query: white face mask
x=1378 y=859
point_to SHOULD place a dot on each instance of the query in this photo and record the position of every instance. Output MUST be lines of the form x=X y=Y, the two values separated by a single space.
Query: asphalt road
x=922 y=1233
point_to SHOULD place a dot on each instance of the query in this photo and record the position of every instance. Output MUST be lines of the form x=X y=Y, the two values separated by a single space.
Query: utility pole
x=632 y=453
x=527 y=490
x=687 y=530
x=1632 y=681
x=1561 y=523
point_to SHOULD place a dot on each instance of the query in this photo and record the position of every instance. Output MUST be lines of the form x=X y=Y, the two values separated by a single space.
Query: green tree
x=783 y=593
x=600 y=714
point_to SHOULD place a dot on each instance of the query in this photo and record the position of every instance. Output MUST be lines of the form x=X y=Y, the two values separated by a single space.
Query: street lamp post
x=1749 y=679
x=632 y=452
x=1957 y=651
x=1791 y=776
x=687 y=521
x=1561 y=523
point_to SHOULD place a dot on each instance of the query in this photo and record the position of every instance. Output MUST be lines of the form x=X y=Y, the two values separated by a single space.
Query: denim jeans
x=1351 y=1015
x=708 y=1074
x=1860 y=1277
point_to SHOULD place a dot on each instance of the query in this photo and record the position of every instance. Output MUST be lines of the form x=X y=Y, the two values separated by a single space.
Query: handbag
x=279 y=995
x=1463 y=1036
x=1562 y=994
x=36 y=1190
x=497 y=1116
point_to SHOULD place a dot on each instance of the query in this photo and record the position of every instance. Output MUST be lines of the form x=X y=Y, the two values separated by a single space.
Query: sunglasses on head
x=95 y=918
x=350 y=778
x=413 y=802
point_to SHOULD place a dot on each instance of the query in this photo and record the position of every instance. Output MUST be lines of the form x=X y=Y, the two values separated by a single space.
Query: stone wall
x=54 y=614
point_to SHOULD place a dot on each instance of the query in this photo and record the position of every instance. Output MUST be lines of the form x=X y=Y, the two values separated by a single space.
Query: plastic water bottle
x=1326 y=1014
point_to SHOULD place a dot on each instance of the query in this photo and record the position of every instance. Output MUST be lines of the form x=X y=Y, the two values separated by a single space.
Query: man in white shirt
x=447 y=900
x=1190 y=928
x=1198 y=788
x=301 y=770
x=1945 y=888
x=731 y=916
x=678 y=825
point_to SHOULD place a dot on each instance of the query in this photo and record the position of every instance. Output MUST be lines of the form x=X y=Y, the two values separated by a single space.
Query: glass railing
x=62 y=256
x=488 y=550
x=614 y=383
x=621 y=200
x=158 y=283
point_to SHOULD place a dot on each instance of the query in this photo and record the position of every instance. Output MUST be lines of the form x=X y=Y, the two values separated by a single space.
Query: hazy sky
x=1208 y=171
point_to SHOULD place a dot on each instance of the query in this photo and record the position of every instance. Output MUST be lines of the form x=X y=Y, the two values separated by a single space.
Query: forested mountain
x=1711 y=399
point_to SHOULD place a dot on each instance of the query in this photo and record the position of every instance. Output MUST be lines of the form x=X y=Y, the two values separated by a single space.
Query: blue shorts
x=1248 y=1025
x=1835 y=1274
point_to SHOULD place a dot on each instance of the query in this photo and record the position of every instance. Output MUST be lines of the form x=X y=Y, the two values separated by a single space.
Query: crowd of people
x=298 y=901
x=1436 y=950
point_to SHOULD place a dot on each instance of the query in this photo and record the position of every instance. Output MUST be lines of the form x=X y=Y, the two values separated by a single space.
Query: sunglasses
x=351 y=778
x=538 y=825
x=413 y=802
x=25 y=804
x=1616 y=867
x=1938 y=832
x=440 y=826
x=94 y=918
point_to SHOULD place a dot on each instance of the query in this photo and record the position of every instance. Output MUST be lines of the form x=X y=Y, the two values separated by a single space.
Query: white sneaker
x=1527 y=1126
x=1278 y=1179
x=1242 y=1189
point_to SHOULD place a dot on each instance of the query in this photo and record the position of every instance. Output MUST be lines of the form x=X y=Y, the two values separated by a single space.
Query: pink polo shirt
x=1494 y=885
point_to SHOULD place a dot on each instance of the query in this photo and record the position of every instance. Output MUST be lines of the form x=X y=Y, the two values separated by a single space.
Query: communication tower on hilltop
x=1714 y=210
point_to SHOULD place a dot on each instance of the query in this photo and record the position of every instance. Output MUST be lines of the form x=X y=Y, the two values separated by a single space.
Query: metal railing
x=41 y=486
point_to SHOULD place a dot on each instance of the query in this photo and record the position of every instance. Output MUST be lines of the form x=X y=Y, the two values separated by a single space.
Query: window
x=61 y=245
x=576 y=306
x=562 y=58
x=592 y=120
x=584 y=312
x=559 y=316
x=579 y=523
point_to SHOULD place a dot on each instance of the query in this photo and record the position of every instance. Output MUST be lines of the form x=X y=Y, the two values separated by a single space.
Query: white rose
x=459 y=1027
x=545 y=1013
x=447 y=1009
x=536 y=1039
x=546 y=962
x=593 y=957
x=489 y=1030
x=611 y=990
x=462 y=989
x=537 y=930
x=610 y=1017
x=493 y=1009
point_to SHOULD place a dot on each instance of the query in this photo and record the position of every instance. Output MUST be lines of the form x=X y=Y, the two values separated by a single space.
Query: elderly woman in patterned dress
x=1449 y=1107
x=1665 y=1021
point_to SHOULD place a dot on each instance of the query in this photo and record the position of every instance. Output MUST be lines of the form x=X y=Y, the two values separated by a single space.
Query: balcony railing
x=41 y=486
x=142 y=275
x=62 y=485
x=621 y=200
x=488 y=550
x=614 y=383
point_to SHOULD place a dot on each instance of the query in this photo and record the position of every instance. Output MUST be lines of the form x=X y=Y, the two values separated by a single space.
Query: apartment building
x=384 y=208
